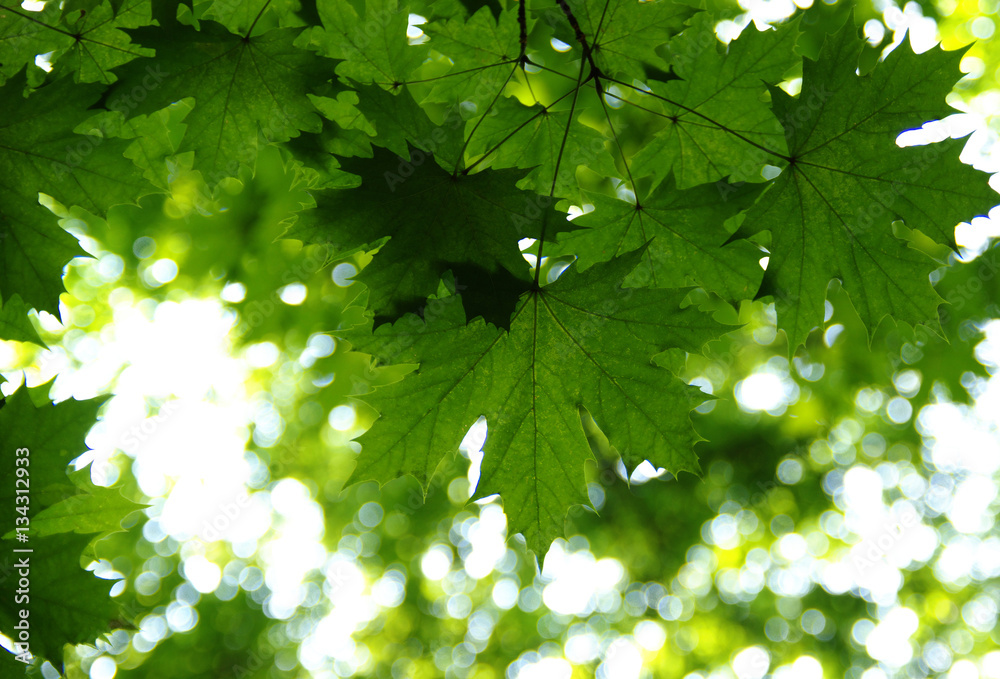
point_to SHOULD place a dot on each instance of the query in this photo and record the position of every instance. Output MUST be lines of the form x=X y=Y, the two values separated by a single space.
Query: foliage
x=414 y=193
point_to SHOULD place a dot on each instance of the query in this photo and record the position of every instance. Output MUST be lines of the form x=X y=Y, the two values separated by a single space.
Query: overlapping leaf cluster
x=442 y=152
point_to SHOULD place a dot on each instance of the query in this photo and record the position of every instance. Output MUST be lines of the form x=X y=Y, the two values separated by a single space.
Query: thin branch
x=522 y=21
x=580 y=38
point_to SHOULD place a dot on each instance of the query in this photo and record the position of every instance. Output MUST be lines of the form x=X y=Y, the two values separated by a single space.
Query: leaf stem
x=37 y=21
x=256 y=19
x=465 y=144
x=448 y=75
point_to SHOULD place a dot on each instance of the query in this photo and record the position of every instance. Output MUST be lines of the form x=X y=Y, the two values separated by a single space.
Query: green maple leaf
x=482 y=51
x=346 y=132
x=373 y=48
x=39 y=152
x=623 y=35
x=155 y=138
x=244 y=89
x=542 y=137
x=54 y=433
x=14 y=322
x=476 y=221
x=686 y=228
x=24 y=35
x=830 y=212
x=582 y=342
x=97 y=42
x=89 y=43
x=67 y=604
x=716 y=124
x=400 y=122
x=94 y=509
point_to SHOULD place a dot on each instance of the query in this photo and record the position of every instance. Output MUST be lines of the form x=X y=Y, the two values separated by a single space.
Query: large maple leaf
x=830 y=212
x=583 y=341
x=549 y=140
x=483 y=53
x=244 y=89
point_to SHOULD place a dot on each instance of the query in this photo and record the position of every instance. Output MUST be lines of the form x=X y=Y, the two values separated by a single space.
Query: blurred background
x=844 y=526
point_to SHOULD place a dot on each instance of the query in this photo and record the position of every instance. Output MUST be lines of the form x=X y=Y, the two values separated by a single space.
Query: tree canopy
x=498 y=339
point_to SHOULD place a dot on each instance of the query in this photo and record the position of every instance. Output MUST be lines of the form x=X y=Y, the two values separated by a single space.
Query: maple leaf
x=475 y=219
x=550 y=140
x=400 y=122
x=685 y=233
x=582 y=341
x=56 y=432
x=39 y=152
x=69 y=603
x=14 y=322
x=373 y=48
x=89 y=42
x=90 y=509
x=483 y=53
x=99 y=42
x=830 y=212
x=243 y=87
x=24 y=35
x=715 y=122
